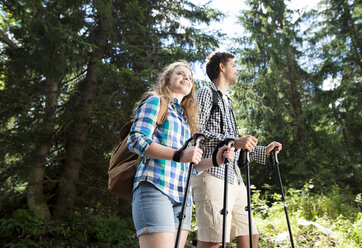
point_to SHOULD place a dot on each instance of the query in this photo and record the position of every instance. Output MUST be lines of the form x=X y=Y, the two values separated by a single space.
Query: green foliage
x=279 y=97
x=318 y=220
x=70 y=73
x=326 y=220
x=81 y=230
x=272 y=97
x=99 y=231
x=21 y=230
x=280 y=93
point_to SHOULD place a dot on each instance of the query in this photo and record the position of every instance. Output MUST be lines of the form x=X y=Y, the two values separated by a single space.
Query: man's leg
x=243 y=241
x=240 y=222
x=208 y=197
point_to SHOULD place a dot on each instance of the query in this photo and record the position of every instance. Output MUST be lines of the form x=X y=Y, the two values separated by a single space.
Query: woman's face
x=181 y=81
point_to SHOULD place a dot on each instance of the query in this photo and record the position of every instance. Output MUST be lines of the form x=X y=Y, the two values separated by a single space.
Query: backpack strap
x=163 y=111
x=215 y=99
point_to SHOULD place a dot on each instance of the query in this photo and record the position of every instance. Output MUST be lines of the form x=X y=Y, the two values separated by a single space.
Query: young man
x=218 y=123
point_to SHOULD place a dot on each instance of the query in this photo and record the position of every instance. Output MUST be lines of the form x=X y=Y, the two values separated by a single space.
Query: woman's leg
x=183 y=238
x=162 y=240
x=153 y=240
x=154 y=216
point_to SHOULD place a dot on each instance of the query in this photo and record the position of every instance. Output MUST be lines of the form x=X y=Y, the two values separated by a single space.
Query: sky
x=229 y=25
x=232 y=8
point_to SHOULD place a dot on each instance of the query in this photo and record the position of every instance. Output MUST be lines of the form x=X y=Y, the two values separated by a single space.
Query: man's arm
x=259 y=153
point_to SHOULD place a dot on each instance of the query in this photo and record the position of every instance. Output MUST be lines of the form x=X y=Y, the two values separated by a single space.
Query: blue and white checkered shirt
x=210 y=124
x=167 y=175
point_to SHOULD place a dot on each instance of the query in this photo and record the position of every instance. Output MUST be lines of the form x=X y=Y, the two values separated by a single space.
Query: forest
x=71 y=72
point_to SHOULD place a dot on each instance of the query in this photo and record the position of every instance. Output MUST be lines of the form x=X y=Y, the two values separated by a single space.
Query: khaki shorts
x=208 y=191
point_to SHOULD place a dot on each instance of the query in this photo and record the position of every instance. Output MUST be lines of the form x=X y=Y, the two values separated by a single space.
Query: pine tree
x=72 y=72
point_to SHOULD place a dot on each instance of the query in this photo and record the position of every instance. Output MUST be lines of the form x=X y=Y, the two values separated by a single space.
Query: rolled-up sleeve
x=259 y=154
x=140 y=135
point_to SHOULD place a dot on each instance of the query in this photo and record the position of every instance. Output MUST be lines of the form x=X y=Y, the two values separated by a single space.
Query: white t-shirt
x=226 y=100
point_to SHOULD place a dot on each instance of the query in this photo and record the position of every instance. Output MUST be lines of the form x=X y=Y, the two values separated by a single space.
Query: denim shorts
x=153 y=211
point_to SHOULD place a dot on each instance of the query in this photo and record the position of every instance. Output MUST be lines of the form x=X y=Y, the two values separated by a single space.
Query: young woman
x=160 y=181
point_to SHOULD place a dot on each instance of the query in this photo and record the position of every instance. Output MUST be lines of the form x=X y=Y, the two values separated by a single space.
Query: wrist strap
x=214 y=162
x=177 y=156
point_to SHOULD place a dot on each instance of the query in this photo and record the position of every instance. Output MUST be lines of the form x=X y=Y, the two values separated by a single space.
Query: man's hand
x=271 y=146
x=247 y=142
x=225 y=152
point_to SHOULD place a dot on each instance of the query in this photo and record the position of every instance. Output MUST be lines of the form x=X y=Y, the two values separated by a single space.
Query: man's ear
x=221 y=67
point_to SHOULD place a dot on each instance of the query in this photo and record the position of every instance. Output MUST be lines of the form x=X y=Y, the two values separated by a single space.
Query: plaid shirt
x=210 y=126
x=167 y=175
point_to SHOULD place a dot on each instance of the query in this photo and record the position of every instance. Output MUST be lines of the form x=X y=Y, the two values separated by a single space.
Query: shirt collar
x=175 y=101
x=214 y=87
x=177 y=105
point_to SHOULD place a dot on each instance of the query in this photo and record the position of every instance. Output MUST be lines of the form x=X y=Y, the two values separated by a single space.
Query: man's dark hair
x=213 y=61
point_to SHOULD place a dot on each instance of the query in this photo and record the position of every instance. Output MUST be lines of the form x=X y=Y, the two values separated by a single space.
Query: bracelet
x=177 y=156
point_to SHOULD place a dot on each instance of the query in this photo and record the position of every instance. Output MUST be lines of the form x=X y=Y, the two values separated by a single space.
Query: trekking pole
x=229 y=142
x=244 y=160
x=197 y=137
x=274 y=160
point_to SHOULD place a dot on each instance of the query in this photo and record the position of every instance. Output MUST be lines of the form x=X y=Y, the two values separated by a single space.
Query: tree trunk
x=75 y=148
x=35 y=196
x=67 y=188
x=295 y=97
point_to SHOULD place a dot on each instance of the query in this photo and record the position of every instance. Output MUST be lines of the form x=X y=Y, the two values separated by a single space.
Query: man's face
x=230 y=72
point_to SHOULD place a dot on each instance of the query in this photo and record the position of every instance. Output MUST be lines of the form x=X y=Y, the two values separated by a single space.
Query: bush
x=82 y=230
x=317 y=220
x=21 y=230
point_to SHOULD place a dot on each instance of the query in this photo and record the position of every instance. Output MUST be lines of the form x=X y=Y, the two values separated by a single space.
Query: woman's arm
x=190 y=154
x=140 y=135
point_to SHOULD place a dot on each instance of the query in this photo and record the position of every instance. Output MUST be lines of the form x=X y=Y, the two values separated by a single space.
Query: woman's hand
x=191 y=154
x=225 y=152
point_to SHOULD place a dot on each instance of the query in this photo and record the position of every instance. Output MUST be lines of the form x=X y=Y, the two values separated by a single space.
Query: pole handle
x=198 y=137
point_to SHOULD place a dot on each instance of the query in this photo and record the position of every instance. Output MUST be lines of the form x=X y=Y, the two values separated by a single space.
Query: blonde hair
x=188 y=103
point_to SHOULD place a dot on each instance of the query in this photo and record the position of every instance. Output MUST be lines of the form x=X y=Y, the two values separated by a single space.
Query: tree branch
x=5 y=39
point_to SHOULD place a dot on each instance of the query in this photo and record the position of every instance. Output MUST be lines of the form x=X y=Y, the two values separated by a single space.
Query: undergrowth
x=331 y=219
